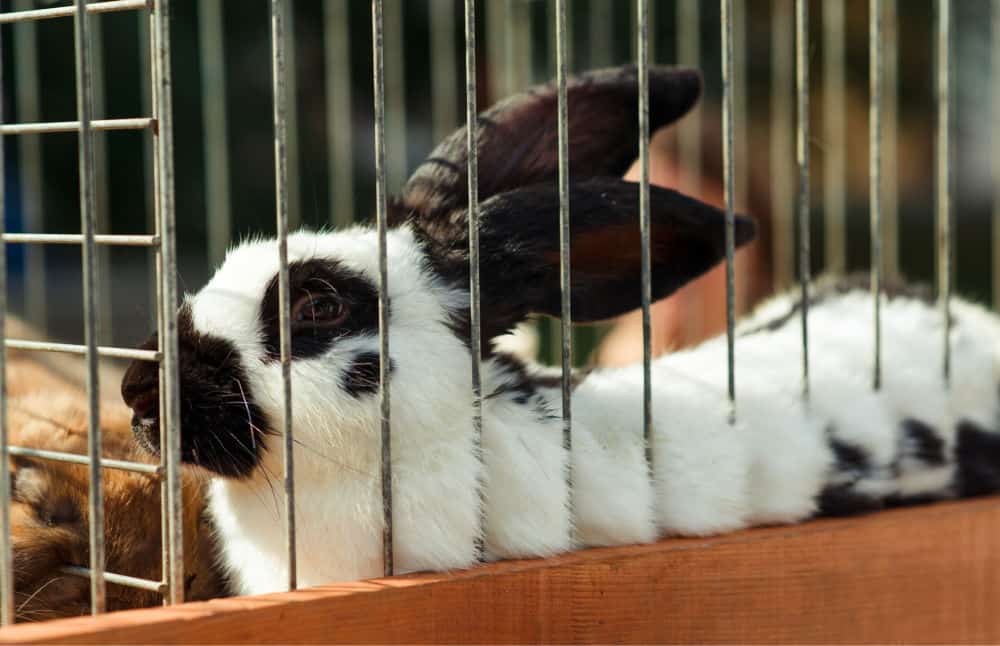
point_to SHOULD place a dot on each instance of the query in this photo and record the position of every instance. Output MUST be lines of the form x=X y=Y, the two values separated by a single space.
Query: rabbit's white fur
x=710 y=475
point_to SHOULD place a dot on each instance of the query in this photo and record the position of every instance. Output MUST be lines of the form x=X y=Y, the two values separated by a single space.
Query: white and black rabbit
x=849 y=449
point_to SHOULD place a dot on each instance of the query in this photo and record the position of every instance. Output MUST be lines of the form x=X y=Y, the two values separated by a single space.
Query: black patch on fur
x=221 y=424
x=327 y=278
x=840 y=500
x=825 y=289
x=521 y=386
x=977 y=457
x=362 y=376
x=850 y=458
x=922 y=442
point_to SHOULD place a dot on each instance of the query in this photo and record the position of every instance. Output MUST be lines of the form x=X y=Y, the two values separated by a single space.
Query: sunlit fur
x=709 y=474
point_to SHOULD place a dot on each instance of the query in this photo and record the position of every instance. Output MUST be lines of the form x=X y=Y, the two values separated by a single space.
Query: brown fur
x=49 y=512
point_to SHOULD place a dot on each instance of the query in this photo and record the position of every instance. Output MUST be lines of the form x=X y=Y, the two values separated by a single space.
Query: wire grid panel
x=161 y=241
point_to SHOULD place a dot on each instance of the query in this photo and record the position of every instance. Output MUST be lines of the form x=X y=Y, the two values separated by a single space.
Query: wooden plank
x=919 y=575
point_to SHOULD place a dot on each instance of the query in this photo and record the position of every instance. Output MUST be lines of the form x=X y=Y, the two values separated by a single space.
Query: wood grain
x=919 y=575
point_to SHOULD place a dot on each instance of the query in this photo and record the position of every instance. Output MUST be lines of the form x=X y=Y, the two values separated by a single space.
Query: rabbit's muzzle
x=221 y=425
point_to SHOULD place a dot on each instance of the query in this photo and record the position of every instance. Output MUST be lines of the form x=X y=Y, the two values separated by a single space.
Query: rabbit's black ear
x=519 y=249
x=517 y=138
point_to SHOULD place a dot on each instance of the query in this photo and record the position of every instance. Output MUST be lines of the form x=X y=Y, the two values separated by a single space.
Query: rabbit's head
x=231 y=386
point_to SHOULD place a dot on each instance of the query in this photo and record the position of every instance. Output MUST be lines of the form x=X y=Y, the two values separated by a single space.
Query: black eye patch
x=320 y=281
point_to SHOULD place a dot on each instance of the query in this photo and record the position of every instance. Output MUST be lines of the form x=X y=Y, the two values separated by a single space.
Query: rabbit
x=49 y=503
x=520 y=493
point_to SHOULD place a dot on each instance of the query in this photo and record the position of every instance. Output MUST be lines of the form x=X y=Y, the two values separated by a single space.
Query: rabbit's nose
x=145 y=405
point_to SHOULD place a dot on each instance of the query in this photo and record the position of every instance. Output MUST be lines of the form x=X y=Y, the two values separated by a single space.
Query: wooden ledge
x=927 y=574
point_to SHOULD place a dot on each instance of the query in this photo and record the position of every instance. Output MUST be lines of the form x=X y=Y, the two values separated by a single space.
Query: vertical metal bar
x=7 y=607
x=943 y=202
x=381 y=214
x=170 y=372
x=340 y=161
x=996 y=154
x=444 y=81
x=88 y=224
x=642 y=36
x=279 y=78
x=26 y=75
x=148 y=47
x=557 y=329
x=835 y=137
x=564 y=238
x=472 y=155
x=727 y=173
x=782 y=145
x=292 y=118
x=689 y=53
x=890 y=111
x=102 y=200
x=651 y=20
x=802 y=154
x=875 y=179
x=211 y=42
x=395 y=81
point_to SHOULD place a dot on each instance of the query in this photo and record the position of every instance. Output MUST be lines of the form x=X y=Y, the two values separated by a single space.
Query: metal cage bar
x=728 y=176
x=75 y=458
x=642 y=50
x=167 y=302
x=74 y=126
x=294 y=185
x=211 y=43
x=875 y=180
x=70 y=348
x=88 y=217
x=118 y=579
x=70 y=11
x=7 y=606
x=280 y=74
x=381 y=217
x=943 y=179
x=562 y=63
x=472 y=155
x=802 y=155
x=78 y=239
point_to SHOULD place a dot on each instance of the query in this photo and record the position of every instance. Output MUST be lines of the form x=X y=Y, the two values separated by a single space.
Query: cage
x=215 y=84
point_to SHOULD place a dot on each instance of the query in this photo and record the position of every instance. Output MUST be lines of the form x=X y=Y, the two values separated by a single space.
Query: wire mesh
x=381 y=217
x=283 y=107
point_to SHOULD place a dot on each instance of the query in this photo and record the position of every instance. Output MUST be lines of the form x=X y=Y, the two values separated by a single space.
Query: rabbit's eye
x=325 y=310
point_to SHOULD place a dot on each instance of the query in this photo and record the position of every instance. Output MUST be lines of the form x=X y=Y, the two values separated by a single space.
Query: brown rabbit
x=49 y=513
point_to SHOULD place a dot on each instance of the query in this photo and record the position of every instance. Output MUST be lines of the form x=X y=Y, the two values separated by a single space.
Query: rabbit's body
x=847 y=449
x=784 y=460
